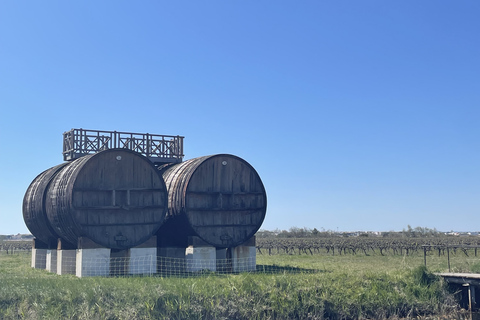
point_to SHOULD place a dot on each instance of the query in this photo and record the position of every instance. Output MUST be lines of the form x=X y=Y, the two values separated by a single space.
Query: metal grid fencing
x=20 y=265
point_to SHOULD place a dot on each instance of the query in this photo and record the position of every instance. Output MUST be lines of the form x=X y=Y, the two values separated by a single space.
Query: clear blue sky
x=358 y=115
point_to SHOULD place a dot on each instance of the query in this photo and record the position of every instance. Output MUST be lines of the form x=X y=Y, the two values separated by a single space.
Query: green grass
x=302 y=287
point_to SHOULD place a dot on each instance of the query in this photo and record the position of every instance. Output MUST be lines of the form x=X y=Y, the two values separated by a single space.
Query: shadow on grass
x=274 y=269
x=260 y=269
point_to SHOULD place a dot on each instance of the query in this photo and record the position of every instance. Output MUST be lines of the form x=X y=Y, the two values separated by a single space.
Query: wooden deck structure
x=466 y=281
x=157 y=148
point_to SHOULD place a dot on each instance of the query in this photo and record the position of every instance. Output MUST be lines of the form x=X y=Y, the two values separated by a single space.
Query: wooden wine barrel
x=34 y=213
x=219 y=198
x=115 y=198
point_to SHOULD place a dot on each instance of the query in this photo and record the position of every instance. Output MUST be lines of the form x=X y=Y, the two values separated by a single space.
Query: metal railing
x=447 y=248
x=158 y=148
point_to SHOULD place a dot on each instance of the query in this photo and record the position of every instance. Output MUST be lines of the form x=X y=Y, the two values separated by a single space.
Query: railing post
x=148 y=150
x=425 y=255
x=448 y=258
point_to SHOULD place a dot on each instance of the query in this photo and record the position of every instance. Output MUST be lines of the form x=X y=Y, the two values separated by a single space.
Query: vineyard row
x=337 y=245
x=367 y=246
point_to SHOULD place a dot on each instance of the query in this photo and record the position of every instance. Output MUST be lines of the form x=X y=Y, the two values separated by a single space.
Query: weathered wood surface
x=115 y=197
x=34 y=213
x=468 y=281
x=220 y=197
x=461 y=278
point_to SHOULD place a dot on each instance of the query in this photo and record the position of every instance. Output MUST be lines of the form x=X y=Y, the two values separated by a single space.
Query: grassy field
x=296 y=287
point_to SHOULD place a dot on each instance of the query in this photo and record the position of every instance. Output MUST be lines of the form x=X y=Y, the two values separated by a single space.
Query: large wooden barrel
x=115 y=198
x=34 y=213
x=219 y=198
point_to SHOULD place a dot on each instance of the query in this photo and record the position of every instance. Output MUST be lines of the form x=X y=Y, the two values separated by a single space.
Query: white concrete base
x=39 y=258
x=244 y=258
x=51 y=260
x=66 y=261
x=92 y=262
x=201 y=258
x=143 y=261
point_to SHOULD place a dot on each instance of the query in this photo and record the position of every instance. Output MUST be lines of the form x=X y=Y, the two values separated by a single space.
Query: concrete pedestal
x=200 y=256
x=51 y=260
x=244 y=258
x=143 y=261
x=66 y=257
x=200 y=259
x=66 y=261
x=39 y=258
x=92 y=260
x=39 y=254
x=143 y=258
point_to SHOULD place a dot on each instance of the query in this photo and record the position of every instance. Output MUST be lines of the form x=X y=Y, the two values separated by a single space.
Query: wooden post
x=448 y=258
x=425 y=256
x=471 y=297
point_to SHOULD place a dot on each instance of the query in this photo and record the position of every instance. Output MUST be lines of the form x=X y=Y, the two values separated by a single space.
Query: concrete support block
x=39 y=258
x=66 y=261
x=51 y=260
x=66 y=257
x=39 y=254
x=201 y=258
x=244 y=258
x=92 y=262
x=143 y=261
x=143 y=258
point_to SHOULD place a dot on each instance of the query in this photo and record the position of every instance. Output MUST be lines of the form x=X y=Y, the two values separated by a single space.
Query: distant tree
x=284 y=234
x=420 y=232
